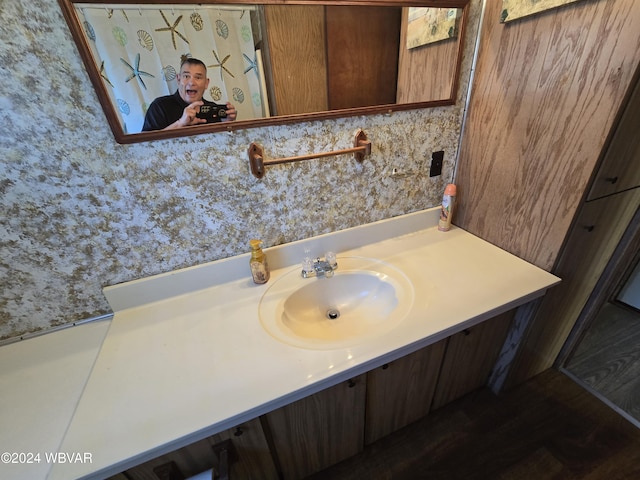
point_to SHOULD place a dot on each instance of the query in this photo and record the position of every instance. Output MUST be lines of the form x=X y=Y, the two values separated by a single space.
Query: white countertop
x=41 y=380
x=185 y=355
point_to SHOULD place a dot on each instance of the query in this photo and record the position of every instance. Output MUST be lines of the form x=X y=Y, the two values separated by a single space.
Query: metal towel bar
x=361 y=148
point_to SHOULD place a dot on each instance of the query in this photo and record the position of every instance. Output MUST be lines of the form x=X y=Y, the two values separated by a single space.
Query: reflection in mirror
x=274 y=63
x=139 y=50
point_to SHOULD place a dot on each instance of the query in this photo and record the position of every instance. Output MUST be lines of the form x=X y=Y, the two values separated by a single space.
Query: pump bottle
x=258 y=263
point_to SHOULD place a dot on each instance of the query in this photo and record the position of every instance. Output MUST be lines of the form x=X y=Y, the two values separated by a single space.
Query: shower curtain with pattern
x=138 y=51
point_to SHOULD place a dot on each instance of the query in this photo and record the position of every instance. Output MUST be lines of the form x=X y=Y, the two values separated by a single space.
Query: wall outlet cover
x=437 y=158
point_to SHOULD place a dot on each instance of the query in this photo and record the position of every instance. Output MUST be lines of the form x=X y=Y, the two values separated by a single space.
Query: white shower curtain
x=138 y=50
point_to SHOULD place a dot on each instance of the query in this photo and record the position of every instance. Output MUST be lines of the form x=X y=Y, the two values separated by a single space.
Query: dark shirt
x=163 y=111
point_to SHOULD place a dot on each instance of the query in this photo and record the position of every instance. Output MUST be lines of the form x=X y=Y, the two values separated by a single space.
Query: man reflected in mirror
x=183 y=108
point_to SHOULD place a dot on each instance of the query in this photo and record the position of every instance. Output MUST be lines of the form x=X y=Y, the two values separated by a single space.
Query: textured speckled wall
x=80 y=211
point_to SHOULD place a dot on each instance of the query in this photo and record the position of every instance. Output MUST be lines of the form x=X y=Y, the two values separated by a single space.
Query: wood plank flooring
x=608 y=357
x=546 y=428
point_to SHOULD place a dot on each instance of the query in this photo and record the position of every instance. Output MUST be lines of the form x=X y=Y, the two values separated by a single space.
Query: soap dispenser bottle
x=258 y=263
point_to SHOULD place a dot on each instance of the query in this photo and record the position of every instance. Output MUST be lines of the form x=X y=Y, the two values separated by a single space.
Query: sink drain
x=332 y=314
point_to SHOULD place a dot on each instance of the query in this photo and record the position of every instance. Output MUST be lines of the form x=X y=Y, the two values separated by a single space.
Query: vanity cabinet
x=334 y=424
x=320 y=430
x=470 y=357
x=250 y=458
x=401 y=391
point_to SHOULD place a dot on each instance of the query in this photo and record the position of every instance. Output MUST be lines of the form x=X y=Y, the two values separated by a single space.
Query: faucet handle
x=307 y=264
x=330 y=257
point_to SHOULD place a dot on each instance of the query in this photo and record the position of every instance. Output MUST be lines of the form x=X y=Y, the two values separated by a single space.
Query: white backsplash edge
x=180 y=282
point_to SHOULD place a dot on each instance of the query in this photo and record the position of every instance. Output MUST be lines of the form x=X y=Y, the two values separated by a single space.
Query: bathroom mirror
x=277 y=62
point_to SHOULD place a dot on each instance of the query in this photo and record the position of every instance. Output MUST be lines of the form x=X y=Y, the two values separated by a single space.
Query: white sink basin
x=364 y=298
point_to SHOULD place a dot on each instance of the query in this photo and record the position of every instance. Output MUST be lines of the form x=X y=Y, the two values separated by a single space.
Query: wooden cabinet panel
x=253 y=459
x=598 y=230
x=400 y=392
x=362 y=55
x=320 y=430
x=470 y=357
x=620 y=169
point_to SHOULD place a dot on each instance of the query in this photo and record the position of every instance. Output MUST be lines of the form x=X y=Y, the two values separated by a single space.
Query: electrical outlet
x=436 y=163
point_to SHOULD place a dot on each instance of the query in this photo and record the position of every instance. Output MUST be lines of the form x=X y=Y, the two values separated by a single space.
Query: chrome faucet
x=320 y=267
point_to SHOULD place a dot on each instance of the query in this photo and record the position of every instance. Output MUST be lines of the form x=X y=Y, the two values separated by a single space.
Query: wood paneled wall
x=426 y=72
x=298 y=58
x=546 y=91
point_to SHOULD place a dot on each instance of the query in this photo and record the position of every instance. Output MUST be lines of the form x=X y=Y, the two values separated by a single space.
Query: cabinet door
x=470 y=357
x=362 y=55
x=620 y=169
x=253 y=460
x=320 y=430
x=250 y=457
x=597 y=231
x=400 y=392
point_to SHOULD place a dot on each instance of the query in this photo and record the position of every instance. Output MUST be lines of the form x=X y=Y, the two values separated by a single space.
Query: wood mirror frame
x=69 y=12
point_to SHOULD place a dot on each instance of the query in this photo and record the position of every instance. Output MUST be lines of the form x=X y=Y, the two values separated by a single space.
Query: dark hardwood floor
x=547 y=428
x=608 y=357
